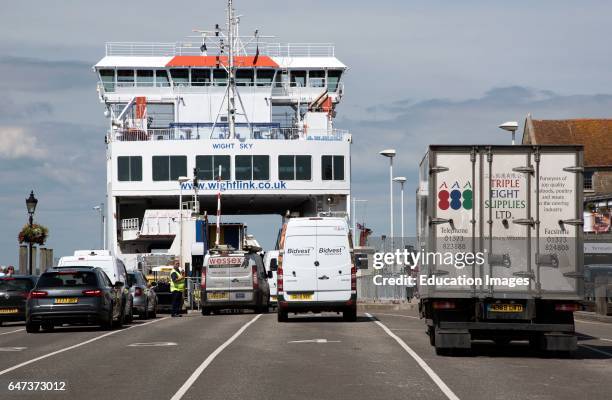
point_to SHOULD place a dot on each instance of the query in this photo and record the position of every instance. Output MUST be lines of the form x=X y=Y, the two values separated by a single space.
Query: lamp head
x=400 y=179
x=510 y=126
x=31 y=203
x=387 y=153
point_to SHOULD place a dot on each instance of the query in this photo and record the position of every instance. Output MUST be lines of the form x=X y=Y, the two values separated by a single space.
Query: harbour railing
x=222 y=132
x=165 y=49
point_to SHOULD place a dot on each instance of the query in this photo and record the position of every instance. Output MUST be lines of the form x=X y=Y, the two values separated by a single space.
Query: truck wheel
x=350 y=315
x=32 y=327
x=283 y=316
x=47 y=326
x=205 y=311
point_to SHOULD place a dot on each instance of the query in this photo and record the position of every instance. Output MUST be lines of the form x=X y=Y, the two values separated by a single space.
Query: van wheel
x=431 y=332
x=47 y=326
x=283 y=316
x=350 y=315
x=205 y=311
x=32 y=327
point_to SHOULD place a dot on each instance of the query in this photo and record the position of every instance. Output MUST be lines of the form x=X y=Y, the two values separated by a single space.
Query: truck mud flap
x=453 y=339
x=558 y=342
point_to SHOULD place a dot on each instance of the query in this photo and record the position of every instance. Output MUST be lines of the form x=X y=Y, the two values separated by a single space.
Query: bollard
x=601 y=300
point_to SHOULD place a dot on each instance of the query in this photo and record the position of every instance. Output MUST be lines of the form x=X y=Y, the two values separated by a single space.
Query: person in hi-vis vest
x=177 y=287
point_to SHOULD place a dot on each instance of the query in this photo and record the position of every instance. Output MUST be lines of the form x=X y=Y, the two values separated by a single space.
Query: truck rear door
x=241 y=279
x=299 y=270
x=334 y=262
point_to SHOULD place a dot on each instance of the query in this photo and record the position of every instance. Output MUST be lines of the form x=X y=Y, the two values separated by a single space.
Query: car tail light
x=567 y=307
x=203 y=281
x=137 y=292
x=443 y=305
x=37 y=294
x=255 y=280
x=279 y=279
x=93 y=292
x=353 y=279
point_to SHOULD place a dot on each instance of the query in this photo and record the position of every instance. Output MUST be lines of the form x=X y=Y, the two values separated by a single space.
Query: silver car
x=145 y=299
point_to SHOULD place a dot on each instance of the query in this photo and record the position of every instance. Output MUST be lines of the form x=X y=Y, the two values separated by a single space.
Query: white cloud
x=16 y=142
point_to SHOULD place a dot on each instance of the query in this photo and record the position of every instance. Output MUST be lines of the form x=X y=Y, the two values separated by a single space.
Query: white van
x=111 y=265
x=268 y=257
x=316 y=271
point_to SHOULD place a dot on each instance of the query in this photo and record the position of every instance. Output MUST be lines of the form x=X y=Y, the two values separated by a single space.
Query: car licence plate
x=8 y=311
x=301 y=296
x=240 y=295
x=273 y=298
x=512 y=308
x=218 y=295
x=66 y=300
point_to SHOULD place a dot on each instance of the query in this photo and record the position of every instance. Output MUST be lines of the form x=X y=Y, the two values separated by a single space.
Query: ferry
x=218 y=114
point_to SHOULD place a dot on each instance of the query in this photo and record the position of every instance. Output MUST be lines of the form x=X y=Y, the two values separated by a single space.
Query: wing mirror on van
x=119 y=284
x=273 y=264
x=270 y=275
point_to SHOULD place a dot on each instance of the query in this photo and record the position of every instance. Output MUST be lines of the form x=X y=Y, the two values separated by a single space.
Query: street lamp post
x=100 y=209
x=31 y=203
x=181 y=180
x=510 y=126
x=401 y=180
x=390 y=153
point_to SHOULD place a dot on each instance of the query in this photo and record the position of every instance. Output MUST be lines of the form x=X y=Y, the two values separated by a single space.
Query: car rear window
x=15 y=284
x=67 y=279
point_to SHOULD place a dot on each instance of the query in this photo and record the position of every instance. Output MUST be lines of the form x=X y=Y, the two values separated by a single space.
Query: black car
x=74 y=295
x=14 y=292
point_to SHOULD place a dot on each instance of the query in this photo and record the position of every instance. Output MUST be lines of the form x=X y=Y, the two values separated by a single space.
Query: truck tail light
x=255 y=279
x=93 y=293
x=353 y=279
x=137 y=292
x=567 y=307
x=443 y=305
x=37 y=294
x=203 y=280
x=279 y=280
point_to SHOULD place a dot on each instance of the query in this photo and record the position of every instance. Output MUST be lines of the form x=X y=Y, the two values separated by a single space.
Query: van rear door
x=241 y=279
x=334 y=262
x=217 y=276
x=299 y=270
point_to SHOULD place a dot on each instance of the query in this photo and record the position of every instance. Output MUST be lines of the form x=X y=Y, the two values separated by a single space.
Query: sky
x=421 y=72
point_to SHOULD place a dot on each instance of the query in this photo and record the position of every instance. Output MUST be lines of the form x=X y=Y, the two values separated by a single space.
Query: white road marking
x=6 y=333
x=152 y=344
x=12 y=348
x=592 y=322
x=196 y=374
x=314 y=341
x=398 y=315
x=605 y=353
x=604 y=339
x=23 y=364
x=437 y=380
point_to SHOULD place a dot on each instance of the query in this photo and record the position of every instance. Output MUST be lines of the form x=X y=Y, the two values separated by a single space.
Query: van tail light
x=255 y=279
x=567 y=307
x=137 y=292
x=279 y=280
x=443 y=305
x=93 y=293
x=353 y=279
x=203 y=279
x=37 y=294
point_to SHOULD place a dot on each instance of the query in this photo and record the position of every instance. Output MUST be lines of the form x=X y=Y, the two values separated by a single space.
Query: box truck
x=500 y=232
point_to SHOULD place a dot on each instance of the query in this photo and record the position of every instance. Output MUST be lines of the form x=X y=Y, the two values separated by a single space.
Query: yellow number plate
x=218 y=296
x=66 y=300
x=506 y=307
x=8 y=311
x=301 y=296
x=272 y=298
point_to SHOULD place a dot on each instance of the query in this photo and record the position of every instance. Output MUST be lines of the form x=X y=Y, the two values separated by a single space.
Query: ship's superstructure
x=261 y=113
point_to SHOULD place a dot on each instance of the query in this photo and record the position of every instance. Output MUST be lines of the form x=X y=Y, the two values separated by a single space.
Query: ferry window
x=208 y=167
x=255 y=168
x=219 y=77
x=108 y=79
x=180 y=76
x=125 y=77
x=333 y=78
x=129 y=168
x=294 y=168
x=144 y=77
x=316 y=78
x=245 y=77
x=169 y=168
x=298 y=78
x=332 y=168
x=200 y=77
x=161 y=78
x=265 y=77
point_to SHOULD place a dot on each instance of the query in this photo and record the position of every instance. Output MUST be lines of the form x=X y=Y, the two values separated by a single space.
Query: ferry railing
x=165 y=49
x=207 y=133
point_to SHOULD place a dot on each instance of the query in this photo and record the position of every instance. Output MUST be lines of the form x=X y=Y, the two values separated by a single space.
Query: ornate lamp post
x=31 y=203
